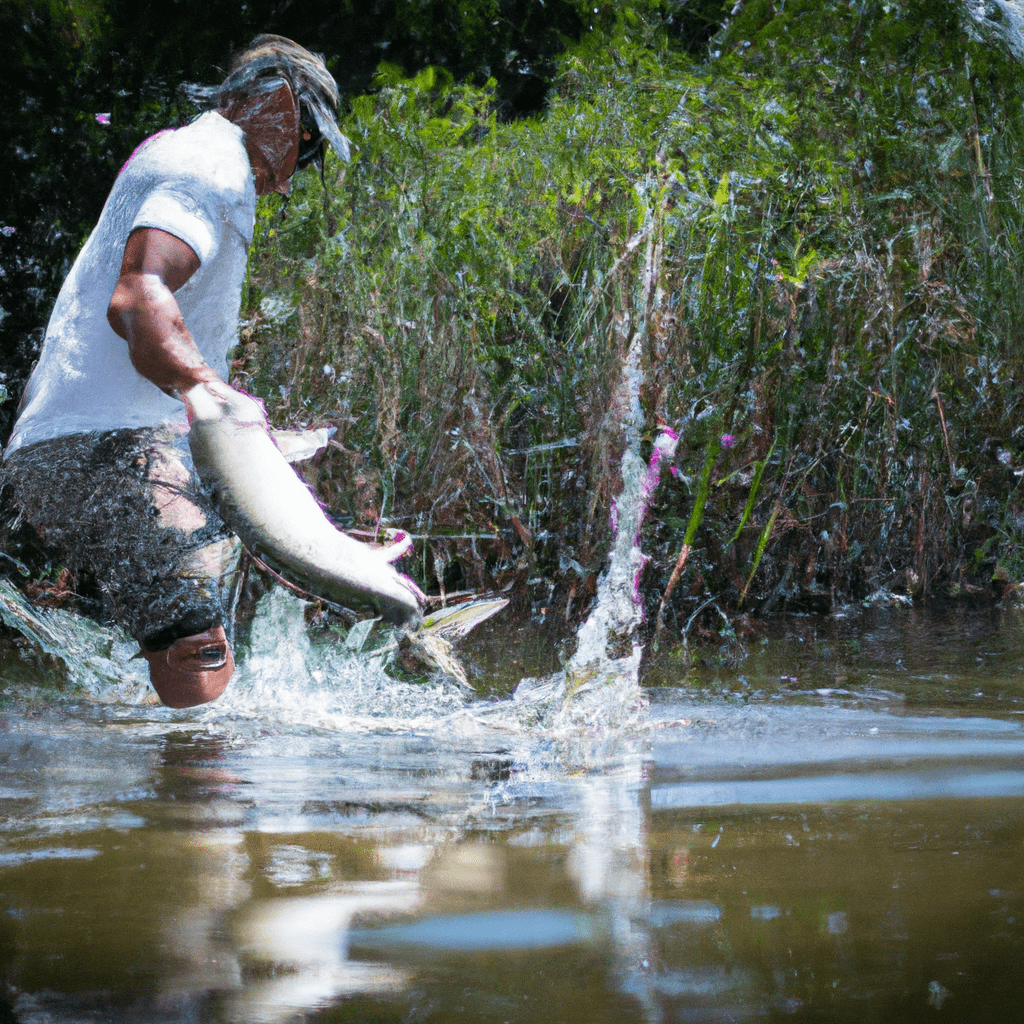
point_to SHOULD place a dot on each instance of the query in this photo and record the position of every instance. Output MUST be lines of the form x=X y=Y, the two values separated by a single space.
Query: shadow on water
x=827 y=828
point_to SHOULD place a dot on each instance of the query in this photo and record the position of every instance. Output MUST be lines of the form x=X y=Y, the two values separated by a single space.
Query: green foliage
x=809 y=221
x=854 y=303
x=831 y=220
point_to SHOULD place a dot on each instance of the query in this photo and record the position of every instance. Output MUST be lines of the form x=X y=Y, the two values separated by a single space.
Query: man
x=99 y=462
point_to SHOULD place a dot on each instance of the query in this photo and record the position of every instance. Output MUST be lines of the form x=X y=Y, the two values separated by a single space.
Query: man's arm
x=144 y=312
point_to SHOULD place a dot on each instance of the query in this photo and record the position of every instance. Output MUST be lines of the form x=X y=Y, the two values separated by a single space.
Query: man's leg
x=127 y=507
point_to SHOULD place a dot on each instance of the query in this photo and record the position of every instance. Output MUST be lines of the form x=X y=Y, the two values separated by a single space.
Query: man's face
x=270 y=119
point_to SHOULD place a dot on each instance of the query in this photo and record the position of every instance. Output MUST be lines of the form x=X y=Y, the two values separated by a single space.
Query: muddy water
x=827 y=823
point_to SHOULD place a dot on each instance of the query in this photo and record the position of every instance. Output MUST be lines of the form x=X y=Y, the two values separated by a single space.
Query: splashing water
x=619 y=608
x=325 y=684
x=600 y=696
x=283 y=678
x=98 y=661
x=286 y=678
x=601 y=686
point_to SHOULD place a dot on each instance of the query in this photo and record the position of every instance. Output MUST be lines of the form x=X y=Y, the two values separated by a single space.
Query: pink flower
x=103 y=119
x=728 y=440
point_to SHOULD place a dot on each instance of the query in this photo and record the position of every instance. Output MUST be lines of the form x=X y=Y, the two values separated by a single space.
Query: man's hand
x=216 y=400
x=144 y=312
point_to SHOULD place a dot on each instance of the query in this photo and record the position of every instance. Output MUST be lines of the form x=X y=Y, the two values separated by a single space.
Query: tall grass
x=832 y=198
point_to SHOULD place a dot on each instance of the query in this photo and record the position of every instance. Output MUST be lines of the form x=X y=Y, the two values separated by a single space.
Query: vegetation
x=86 y=80
x=810 y=225
x=815 y=230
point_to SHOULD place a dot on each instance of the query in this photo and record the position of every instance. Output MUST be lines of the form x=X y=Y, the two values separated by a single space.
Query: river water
x=826 y=822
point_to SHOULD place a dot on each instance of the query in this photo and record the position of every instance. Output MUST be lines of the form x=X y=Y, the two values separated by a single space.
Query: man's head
x=258 y=73
x=271 y=125
x=191 y=670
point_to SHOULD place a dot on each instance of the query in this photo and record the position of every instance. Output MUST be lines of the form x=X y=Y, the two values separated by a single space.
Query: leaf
x=722 y=195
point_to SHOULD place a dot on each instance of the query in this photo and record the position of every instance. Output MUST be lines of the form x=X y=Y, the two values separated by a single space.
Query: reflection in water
x=742 y=857
x=295 y=952
x=472 y=933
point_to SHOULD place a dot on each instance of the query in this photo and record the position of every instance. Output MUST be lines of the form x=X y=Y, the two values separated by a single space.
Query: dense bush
x=804 y=228
x=812 y=230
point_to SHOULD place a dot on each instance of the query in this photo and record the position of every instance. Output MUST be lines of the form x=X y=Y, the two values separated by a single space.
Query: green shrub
x=812 y=232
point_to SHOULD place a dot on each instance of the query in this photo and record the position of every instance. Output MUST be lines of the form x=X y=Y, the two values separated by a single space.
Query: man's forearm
x=144 y=312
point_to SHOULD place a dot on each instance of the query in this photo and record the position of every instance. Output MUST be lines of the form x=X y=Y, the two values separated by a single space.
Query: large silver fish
x=264 y=502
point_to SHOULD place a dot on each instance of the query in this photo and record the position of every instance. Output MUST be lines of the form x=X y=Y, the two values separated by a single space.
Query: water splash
x=619 y=608
x=601 y=688
x=97 y=661
x=284 y=678
x=287 y=677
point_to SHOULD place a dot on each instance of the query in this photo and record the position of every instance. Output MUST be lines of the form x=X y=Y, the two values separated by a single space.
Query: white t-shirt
x=195 y=183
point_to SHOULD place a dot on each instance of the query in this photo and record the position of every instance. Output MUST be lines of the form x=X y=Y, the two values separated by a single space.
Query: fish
x=431 y=647
x=274 y=514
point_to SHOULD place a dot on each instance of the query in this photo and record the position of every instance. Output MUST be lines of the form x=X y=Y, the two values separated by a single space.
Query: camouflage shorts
x=126 y=507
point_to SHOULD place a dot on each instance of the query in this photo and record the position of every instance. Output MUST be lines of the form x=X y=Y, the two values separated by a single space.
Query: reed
x=834 y=197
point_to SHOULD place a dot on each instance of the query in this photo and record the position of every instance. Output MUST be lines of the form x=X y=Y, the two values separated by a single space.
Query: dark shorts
x=127 y=508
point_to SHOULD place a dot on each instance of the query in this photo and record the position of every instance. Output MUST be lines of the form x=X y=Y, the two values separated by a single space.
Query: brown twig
x=684 y=554
x=945 y=433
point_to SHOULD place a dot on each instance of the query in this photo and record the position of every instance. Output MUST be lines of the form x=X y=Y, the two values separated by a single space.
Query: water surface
x=826 y=825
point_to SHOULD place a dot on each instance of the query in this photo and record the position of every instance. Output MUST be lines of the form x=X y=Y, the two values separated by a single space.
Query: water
x=828 y=825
